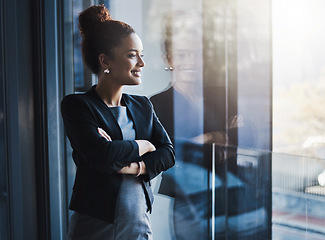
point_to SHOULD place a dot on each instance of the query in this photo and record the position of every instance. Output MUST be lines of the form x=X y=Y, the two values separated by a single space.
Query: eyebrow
x=134 y=50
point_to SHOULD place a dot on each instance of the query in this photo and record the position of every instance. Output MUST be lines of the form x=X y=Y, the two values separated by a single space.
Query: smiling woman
x=126 y=65
x=118 y=143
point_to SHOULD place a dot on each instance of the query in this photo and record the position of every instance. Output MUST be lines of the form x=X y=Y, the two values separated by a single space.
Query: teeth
x=135 y=72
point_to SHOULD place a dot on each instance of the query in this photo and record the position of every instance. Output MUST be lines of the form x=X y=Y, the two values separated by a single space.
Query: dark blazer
x=97 y=184
x=164 y=107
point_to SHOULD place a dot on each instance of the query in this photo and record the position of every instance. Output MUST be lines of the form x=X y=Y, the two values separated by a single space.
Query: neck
x=109 y=93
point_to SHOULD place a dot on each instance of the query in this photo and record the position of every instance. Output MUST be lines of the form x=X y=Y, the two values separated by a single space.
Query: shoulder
x=88 y=97
x=163 y=100
x=73 y=99
x=137 y=100
x=164 y=95
x=133 y=97
x=79 y=101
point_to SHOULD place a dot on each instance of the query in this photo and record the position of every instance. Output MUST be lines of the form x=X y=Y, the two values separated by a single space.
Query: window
x=243 y=107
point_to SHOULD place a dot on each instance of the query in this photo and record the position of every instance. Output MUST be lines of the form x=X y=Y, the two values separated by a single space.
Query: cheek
x=128 y=66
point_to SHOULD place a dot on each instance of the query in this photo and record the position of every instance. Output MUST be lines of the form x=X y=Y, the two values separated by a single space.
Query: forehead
x=186 y=44
x=131 y=42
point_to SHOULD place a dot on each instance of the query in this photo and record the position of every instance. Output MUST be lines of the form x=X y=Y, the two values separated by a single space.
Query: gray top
x=125 y=121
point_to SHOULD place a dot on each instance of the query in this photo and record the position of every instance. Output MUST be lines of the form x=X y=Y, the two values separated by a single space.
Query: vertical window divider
x=213 y=195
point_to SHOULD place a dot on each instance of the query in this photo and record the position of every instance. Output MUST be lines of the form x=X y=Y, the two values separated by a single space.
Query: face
x=187 y=59
x=185 y=54
x=127 y=63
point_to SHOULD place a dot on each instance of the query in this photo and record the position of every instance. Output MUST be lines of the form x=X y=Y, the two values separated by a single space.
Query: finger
x=104 y=134
x=107 y=136
x=101 y=132
x=124 y=170
x=234 y=122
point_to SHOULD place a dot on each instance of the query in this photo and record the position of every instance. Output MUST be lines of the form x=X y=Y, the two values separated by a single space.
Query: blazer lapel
x=137 y=115
x=111 y=125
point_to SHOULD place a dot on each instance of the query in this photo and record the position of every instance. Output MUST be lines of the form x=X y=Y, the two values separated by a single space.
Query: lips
x=136 y=73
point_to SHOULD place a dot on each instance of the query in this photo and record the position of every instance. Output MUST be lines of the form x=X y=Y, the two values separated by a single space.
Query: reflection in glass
x=180 y=109
x=199 y=111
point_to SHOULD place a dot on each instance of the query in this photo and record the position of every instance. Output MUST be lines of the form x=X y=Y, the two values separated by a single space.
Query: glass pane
x=216 y=105
x=202 y=61
x=184 y=191
x=217 y=190
x=253 y=71
x=298 y=119
x=4 y=206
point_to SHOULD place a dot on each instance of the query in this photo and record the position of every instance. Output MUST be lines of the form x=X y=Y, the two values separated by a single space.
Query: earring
x=106 y=71
x=169 y=69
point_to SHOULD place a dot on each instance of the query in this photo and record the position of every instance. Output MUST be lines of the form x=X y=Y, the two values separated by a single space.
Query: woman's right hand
x=145 y=146
x=104 y=134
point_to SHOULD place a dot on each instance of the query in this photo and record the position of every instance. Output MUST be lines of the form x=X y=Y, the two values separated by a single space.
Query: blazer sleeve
x=88 y=145
x=164 y=156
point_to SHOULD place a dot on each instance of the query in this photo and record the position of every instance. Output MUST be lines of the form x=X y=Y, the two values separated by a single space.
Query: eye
x=132 y=55
x=180 y=55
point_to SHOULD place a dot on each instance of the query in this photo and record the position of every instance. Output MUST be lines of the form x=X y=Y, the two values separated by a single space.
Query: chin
x=134 y=82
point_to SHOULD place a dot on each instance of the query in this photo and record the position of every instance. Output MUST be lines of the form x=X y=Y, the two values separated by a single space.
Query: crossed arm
x=144 y=147
x=96 y=148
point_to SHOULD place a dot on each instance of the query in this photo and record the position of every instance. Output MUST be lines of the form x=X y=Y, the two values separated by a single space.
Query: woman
x=192 y=121
x=118 y=143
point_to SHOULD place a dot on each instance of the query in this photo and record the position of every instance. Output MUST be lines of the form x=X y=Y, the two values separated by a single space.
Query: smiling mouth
x=136 y=73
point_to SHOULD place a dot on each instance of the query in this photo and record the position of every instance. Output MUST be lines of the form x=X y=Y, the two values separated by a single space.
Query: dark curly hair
x=100 y=34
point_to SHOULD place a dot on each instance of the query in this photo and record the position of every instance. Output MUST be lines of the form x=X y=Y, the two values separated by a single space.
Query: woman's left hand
x=133 y=168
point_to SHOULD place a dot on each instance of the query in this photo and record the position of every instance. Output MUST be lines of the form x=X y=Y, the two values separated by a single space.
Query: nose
x=141 y=63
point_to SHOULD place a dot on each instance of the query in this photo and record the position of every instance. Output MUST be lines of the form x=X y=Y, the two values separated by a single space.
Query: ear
x=169 y=59
x=103 y=60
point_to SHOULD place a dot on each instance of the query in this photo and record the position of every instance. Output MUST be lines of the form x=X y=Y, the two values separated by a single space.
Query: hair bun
x=90 y=18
